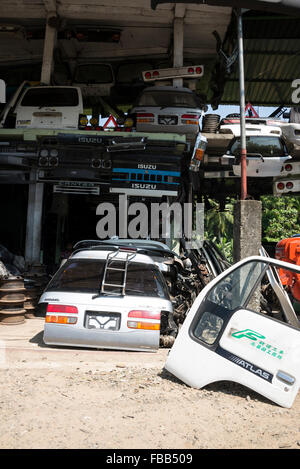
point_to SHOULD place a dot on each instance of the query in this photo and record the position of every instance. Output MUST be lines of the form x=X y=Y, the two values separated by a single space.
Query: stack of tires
x=12 y=298
x=210 y=123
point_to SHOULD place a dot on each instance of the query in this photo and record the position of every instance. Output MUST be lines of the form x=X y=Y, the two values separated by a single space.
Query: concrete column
x=247 y=238
x=34 y=220
x=178 y=33
x=49 y=44
x=247 y=229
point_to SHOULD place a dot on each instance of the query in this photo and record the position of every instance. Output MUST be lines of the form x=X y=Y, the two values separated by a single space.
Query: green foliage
x=219 y=226
x=280 y=217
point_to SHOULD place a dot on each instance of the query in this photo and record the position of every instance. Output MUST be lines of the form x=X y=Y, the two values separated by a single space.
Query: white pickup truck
x=44 y=107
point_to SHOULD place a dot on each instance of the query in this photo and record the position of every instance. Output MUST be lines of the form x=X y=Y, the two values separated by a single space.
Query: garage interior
x=45 y=40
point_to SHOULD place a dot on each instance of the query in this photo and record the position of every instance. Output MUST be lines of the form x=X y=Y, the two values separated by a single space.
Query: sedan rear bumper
x=72 y=336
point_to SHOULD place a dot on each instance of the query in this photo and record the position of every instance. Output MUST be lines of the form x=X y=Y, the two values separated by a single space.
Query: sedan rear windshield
x=167 y=99
x=54 y=97
x=85 y=276
x=263 y=145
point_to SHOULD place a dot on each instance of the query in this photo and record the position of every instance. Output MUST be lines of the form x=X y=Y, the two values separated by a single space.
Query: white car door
x=225 y=337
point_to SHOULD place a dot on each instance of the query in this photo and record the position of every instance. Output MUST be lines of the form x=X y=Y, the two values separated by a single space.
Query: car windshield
x=264 y=145
x=85 y=276
x=54 y=97
x=167 y=99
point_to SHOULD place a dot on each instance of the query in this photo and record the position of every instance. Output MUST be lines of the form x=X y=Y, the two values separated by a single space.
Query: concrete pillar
x=34 y=220
x=49 y=44
x=178 y=34
x=247 y=229
x=247 y=238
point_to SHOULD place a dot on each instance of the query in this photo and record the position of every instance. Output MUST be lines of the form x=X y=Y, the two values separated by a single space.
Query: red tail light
x=190 y=70
x=231 y=121
x=288 y=167
x=280 y=186
x=144 y=314
x=148 y=75
x=62 y=309
x=156 y=73
x=146 y=114
x=190 y=116
x=199 y=70
x=289 y=185
x=145 y=117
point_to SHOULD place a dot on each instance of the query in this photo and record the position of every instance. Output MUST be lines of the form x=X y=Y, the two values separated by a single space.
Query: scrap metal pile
x=188 y=275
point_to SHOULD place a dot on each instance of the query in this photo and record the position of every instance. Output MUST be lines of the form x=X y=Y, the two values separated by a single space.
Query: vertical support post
x=49 y=44
x=34 y=220
x=247 y=236
x=243 y=151
x=178 y=33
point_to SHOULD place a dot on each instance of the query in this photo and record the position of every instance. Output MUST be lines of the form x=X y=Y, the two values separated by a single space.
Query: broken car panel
x=227 y=335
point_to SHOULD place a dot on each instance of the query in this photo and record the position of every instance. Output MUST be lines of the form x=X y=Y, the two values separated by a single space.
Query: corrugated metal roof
x=271 y=60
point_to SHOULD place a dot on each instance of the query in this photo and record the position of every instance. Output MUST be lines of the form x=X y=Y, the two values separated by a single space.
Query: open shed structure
x=45 y=41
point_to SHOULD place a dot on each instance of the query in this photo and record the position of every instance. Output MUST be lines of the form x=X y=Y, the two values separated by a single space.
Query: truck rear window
x=264 y=145
x=51 y=97
x=85 y=276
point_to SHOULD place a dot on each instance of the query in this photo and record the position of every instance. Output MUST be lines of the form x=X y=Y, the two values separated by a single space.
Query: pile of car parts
x=12 y=300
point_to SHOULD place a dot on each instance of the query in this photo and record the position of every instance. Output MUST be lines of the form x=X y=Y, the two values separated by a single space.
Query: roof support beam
x=49 y=42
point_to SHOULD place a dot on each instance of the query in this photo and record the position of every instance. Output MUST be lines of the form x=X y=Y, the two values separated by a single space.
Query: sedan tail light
x=145 y=117
x=144 y=314
x=192 y=119
x=62 y=309
x=141 y=314
x=60 y=319
x=150 y=326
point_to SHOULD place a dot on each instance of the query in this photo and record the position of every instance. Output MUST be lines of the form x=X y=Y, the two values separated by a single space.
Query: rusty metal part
x=30 y=315
x=11 y=319
x=11 y=297
x=12 y=284
x=30 y=304
x=13 y=309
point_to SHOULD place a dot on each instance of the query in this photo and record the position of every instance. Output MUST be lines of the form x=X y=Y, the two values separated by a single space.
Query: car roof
x=148 y=244
x=103 y=253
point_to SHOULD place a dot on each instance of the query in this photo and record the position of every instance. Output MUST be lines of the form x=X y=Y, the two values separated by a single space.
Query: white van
x=44 y=107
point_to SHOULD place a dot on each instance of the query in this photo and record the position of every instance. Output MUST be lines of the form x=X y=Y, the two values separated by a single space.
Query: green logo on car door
x=258 y=343
x=252 y=335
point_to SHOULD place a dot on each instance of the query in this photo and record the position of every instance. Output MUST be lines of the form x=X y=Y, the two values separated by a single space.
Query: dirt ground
x=72 y=398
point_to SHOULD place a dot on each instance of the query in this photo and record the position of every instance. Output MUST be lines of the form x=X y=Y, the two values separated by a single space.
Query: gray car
x=167 y=109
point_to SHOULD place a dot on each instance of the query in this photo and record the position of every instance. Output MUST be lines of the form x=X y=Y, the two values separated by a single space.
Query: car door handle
x=285 y=378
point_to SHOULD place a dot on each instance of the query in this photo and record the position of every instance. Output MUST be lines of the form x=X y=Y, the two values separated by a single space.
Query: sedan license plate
x=104 y=321
x=167 y=120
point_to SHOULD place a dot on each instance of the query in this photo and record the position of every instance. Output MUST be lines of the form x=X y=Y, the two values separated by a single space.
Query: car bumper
x=285 y=186
x=74 y=336
x=188 y=130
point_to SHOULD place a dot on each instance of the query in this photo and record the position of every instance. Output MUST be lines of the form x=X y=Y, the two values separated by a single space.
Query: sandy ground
x=72 y=398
